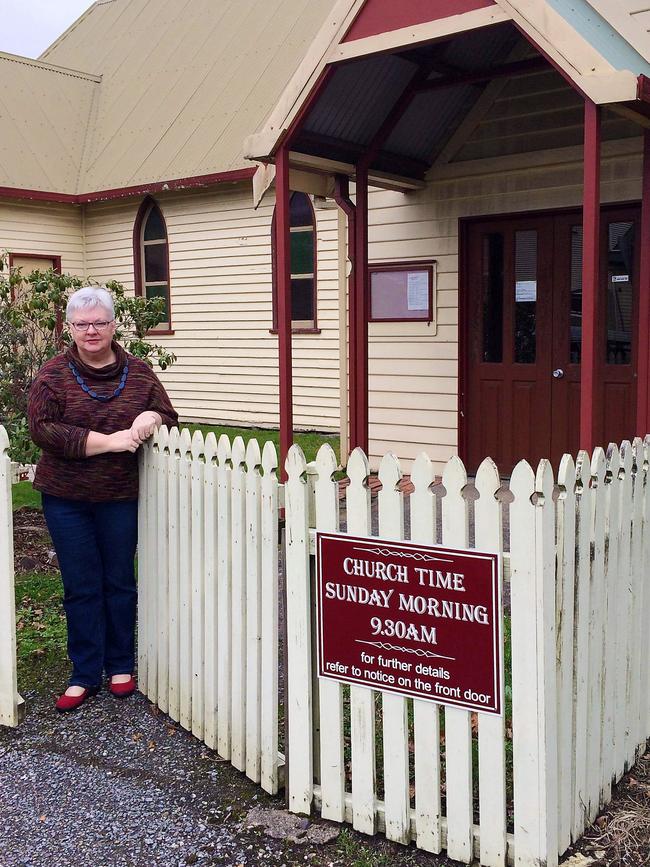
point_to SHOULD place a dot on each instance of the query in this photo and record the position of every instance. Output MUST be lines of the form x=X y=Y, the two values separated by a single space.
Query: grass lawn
x=309 y=442
x=23 y=494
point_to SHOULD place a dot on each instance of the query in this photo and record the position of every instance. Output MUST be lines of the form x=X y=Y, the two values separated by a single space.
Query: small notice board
x=402 y=292
x=422 y=621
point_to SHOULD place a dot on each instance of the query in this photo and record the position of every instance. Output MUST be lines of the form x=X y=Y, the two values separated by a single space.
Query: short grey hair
x=87 y=298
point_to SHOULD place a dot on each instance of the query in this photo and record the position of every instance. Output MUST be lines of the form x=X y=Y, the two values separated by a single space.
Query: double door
x=523 y=329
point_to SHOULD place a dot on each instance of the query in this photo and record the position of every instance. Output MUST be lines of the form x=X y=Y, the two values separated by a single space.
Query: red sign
x=417 y=620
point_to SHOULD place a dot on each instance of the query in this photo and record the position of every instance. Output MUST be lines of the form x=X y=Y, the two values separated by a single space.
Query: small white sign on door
x=526 y=290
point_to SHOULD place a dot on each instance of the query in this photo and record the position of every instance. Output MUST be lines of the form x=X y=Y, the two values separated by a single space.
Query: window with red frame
x=151 y=258
x=303 y=264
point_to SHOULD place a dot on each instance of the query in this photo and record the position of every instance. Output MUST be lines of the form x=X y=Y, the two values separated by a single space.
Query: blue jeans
x=95 y=544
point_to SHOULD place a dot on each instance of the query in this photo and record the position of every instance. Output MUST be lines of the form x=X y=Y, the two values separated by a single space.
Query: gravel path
x=117 y=783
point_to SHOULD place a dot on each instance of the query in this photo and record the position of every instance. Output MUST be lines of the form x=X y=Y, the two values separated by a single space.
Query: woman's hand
x=144 y=425
x=122 y=441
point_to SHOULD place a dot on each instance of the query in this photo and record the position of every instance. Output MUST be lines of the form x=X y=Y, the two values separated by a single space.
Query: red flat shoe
x=72 y=702
x=122 y=690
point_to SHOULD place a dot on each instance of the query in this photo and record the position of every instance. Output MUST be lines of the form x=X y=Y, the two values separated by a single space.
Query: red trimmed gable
x=382 y=16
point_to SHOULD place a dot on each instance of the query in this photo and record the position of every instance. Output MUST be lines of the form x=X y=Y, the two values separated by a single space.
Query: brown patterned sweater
x=61 y=415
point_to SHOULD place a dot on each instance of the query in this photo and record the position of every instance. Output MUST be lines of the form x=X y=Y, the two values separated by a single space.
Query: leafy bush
x=32 y=312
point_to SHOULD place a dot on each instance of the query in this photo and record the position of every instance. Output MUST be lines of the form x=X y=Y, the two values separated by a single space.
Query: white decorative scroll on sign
x=526 y=290
x=417 y=289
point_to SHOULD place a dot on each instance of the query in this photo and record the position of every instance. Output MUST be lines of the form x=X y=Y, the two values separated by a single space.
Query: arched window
x=303 y=264
x=151 y=257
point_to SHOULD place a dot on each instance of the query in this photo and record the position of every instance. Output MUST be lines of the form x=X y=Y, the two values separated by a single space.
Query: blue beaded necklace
x=89 y=391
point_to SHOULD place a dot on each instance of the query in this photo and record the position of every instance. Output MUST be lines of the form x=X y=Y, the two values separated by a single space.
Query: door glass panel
x=620 y=276
x=575 y=313
x=525 y=296
x=493 y=297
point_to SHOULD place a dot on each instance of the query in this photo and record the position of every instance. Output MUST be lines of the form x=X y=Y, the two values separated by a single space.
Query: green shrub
x=32 y=312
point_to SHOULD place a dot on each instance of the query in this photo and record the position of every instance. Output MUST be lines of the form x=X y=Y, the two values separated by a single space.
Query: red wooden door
x=523 y=325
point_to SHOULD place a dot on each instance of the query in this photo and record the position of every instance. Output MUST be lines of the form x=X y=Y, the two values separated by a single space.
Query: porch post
x=342 y=198
x=643 y=339
x=590 y=275
x=283 y=274
x=359 y=351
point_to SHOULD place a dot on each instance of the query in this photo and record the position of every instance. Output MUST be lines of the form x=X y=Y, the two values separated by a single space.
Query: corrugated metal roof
x=348 y=108
x=348 y=113
x=183 y=83
x=44 y=113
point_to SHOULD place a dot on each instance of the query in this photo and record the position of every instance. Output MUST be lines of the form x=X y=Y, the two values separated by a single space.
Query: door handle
x=558 y=373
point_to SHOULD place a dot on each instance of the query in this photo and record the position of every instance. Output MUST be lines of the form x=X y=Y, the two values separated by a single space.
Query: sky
x=29 y=26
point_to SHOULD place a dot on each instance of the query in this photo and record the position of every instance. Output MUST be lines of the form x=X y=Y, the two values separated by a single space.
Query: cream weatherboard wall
x=413 y=371
x=45 y=229
x=220 y=277
x=220 y=267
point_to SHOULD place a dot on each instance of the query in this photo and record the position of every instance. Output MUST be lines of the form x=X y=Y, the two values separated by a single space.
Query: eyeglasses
x=101 y=325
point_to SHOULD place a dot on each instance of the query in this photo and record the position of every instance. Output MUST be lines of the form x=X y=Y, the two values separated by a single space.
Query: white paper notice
x=526 y=290
x=417 y=289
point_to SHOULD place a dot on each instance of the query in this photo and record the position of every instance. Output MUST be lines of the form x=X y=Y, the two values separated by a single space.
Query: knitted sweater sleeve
x=45 y=425
x=161 y=404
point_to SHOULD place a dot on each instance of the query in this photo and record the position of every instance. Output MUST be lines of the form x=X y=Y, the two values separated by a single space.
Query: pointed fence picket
x=11 y=704
x=332 y=768
x=397 y=806
x=491 y=729
x=299 y=656
x=269 y=764
x=362 y=700
x=426 y=714
x=173 y=574
x=458 y=723
x=224 y=596
x=576 y=555
x=161 y=470
x=210 y=688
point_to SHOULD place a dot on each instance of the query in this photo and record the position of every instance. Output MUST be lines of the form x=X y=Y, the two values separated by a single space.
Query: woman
x=90 y=409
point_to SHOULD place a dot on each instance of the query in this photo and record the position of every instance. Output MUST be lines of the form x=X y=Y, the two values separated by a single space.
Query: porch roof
x=397 y=97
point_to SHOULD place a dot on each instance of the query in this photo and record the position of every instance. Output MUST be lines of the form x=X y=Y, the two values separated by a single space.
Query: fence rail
x=578 y=687
x=11 y=704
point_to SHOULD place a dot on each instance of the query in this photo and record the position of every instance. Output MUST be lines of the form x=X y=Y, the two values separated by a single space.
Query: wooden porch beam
x=508 y=70
x=589 y=385
x=396 y=113
x=283 y=274
x=351 y=152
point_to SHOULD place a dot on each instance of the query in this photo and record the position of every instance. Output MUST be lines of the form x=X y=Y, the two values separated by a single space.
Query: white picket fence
x=208 y=593
x=577 y=555
x=578 y=560
x=11 y=704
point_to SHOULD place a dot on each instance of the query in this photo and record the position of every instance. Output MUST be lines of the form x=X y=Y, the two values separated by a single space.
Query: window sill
x=298 y=331
x=166 y=333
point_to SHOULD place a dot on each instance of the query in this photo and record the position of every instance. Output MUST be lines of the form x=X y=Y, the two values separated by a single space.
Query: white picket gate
x=576 y=554
x=580 y=682
x=208 y=593
x=11 y=703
